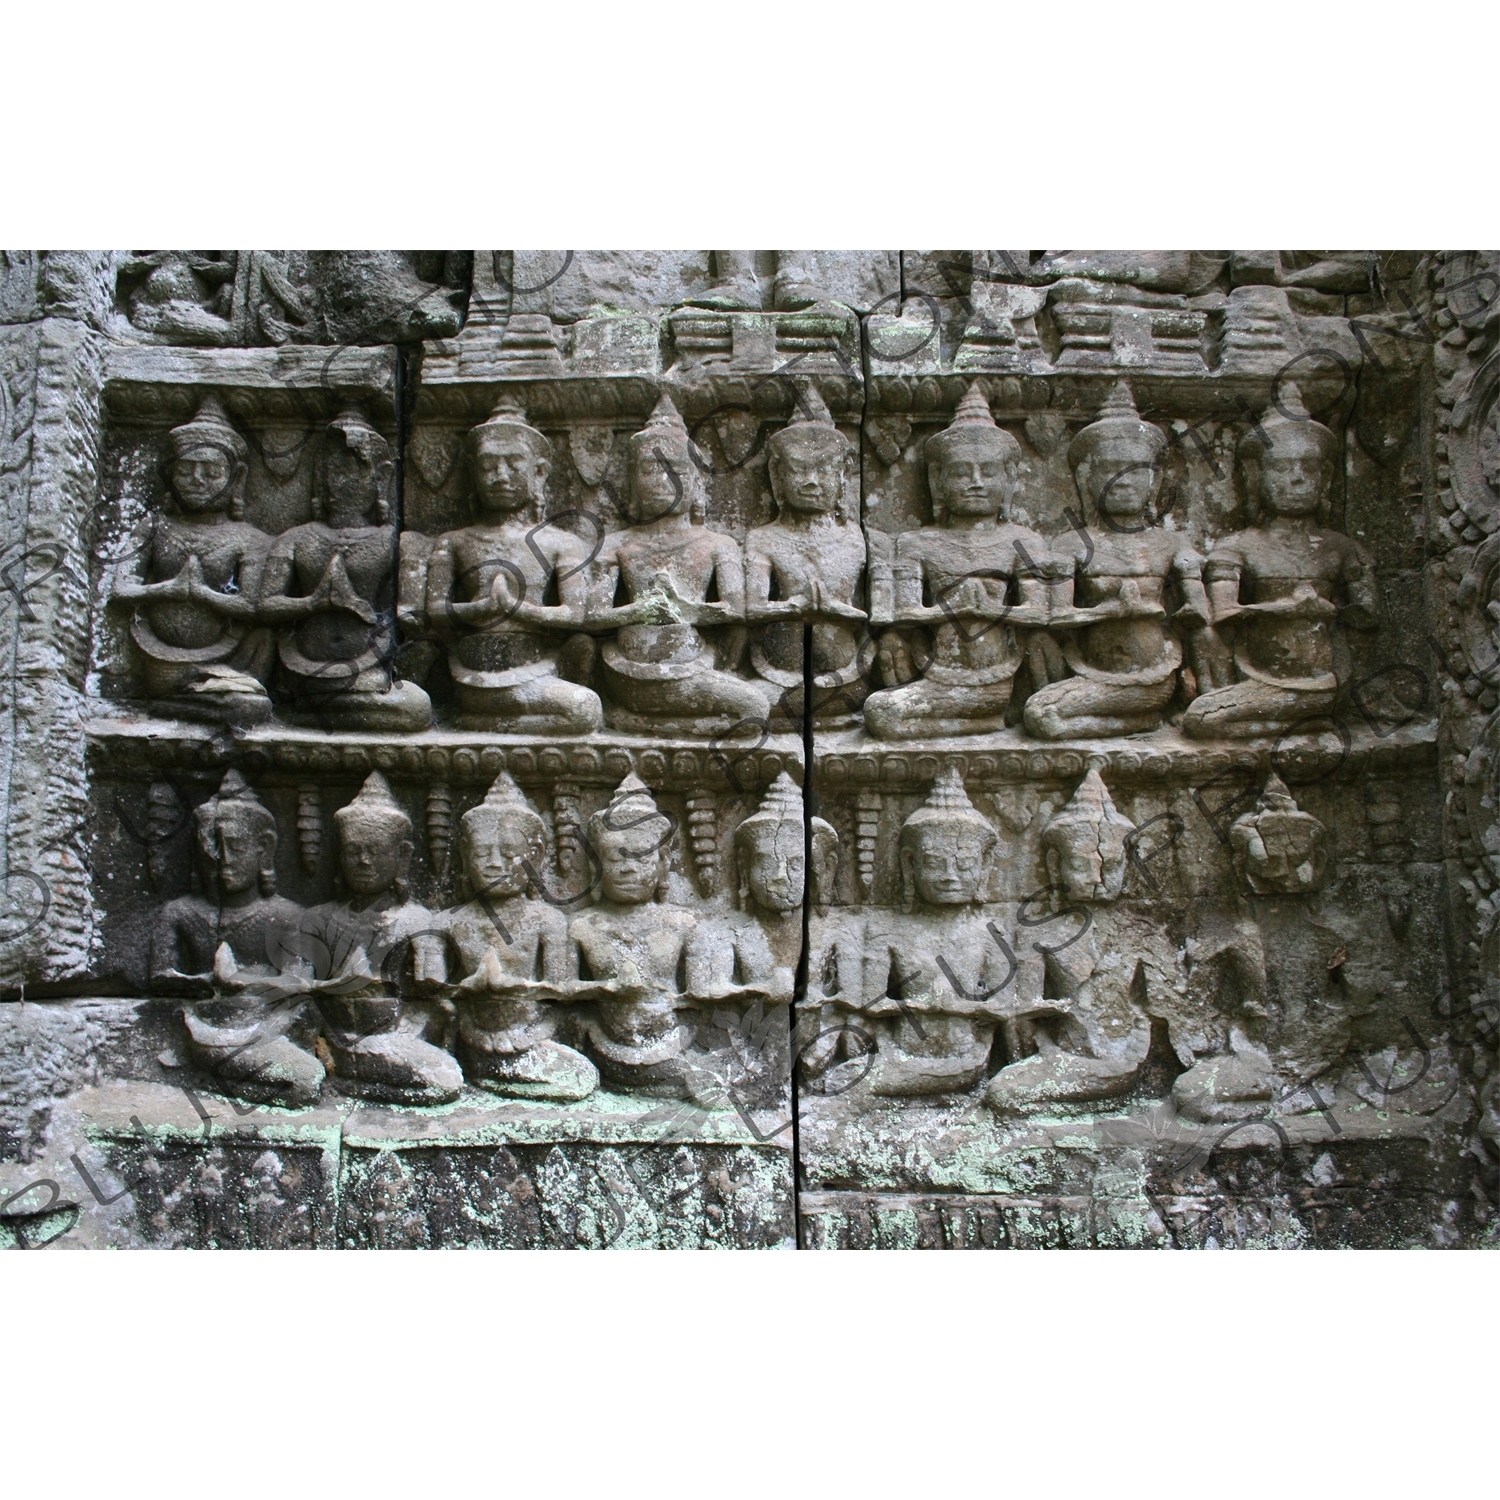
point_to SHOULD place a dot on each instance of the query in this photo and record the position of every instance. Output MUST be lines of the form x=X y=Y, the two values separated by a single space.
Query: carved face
x=202 y=478
x=1293 y=482
x=508 y=472
x=240 y=846
x=1090 y=867
x=658 y=485
x=373 y=854
x=1279 y=850
x=631 y=864
x=807 y=474
x=775 y=865
x=496 y=852
x=947 y=868
x=352 y=484
x=975 y=476
x=1122 y=479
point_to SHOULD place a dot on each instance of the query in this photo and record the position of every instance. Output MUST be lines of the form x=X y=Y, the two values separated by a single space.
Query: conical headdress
x=504 y=802
x=209 y=428
x=235 y=794
x=1275 y=795
x=363 y=439
x=1287 y=425
x=811 y=419
x=1089 y=806
x=510 y=416
x=632 y=806
x=782 y=803
x=948 y=804
x=971 y=418
x=1118 y=422
x=664 y=429
x=374 y=803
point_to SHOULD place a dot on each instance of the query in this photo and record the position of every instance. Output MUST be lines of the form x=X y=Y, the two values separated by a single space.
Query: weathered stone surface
x=437 y=773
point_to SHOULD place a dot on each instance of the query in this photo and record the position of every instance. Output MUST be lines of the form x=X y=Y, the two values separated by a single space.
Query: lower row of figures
x=641 y=994
x=508 y=991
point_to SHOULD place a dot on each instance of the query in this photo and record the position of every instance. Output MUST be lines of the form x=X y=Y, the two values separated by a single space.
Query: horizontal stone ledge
x=1015 y=395
x=1294 y=1213
x=851 y=759
x=139 y=745
x=466 y=397
x=161 y=385
x=166 y=1113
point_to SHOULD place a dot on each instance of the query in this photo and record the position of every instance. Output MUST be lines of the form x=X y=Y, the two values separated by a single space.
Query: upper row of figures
x=671 y=627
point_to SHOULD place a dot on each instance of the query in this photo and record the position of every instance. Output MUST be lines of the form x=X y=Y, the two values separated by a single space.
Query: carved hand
x=490 y=978
x=339 y=593
x=179 y=587
x=824 y=605
x=1304 y=603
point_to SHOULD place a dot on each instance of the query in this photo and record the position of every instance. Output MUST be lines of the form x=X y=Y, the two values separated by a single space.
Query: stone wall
x=956 y=749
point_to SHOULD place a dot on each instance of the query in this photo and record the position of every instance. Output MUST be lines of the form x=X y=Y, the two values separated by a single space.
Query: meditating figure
x=805 y=568
x=331 y=585
x=937 y=978
x=1112 y=605
x=515 y=958
x=1277 y=587
x=193 y=587
x=385 y=946
x=227 y=949
x=680 y=577
x=645 y=955
x=486 y=587
x=974 y=579
x=1086 y=1037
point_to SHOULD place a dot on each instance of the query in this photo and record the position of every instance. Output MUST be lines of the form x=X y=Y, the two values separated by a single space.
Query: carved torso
x=637 y=946
x=231 y=553
x=1133 y=572
x=533 y=946
x=946 y=562
x=1272 y=563
x=368 y=556
x=828 y=552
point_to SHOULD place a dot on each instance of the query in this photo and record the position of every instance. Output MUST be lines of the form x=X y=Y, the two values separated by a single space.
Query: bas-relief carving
x=482 y=589
x=219 y=299
x=1047 y=613
x=975 y=579
x=193 y=586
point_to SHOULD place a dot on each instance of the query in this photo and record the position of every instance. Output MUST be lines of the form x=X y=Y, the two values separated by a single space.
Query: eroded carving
x=660 y=672
x=1277 y=587
x=193 y=586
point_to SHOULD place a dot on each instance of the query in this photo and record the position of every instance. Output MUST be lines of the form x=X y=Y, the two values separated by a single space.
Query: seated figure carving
x=680 y=577
x=1088 y=1033
x=806 y=567
x=331 y=584
x=771 y=862
x=515 y=958
x=647 y=957
x=486 y=585
x=180 y=296
x=1112 y=599
x=193 y=586
x=753 y=953
x=734 y=287
x=986 y=578
x=377 y=1049
x=1277 y=587
x=935 y=978
x=226 y=947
